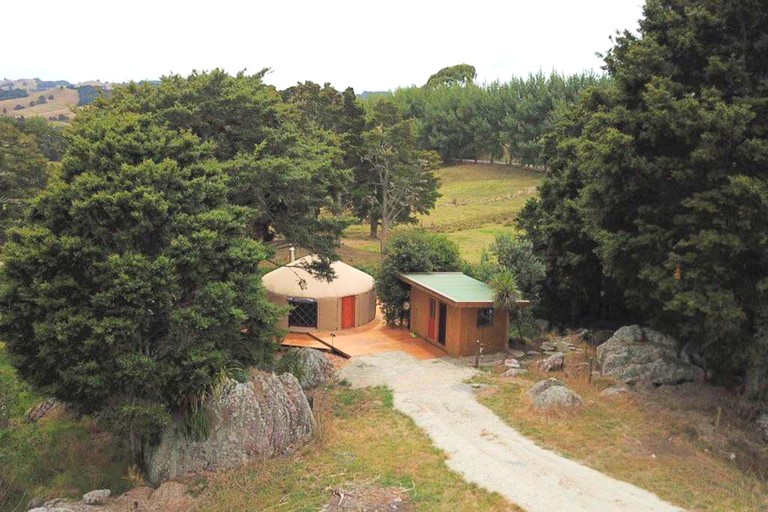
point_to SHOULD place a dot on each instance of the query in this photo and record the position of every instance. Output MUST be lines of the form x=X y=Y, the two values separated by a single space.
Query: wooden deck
x=304 y=340
x=372 y=338
x=376 y=337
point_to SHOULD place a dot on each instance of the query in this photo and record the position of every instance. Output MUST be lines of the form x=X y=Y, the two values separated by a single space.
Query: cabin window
x=485 y=317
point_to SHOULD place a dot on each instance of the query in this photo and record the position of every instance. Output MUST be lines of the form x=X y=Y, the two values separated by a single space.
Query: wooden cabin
x=454 y=311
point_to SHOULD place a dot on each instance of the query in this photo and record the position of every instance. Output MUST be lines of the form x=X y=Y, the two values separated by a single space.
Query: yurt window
x=303 y=313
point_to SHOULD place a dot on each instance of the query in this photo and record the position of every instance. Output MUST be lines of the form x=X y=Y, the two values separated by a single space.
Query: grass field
x=363 y=444
x=63 y=102
x=478 y=202
x=58 y=456
x=667 y=448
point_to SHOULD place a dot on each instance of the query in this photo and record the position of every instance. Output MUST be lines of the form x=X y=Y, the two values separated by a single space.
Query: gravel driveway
x=485 y=450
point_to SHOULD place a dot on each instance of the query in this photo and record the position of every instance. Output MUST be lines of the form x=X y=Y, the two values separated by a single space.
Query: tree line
x=500 y=121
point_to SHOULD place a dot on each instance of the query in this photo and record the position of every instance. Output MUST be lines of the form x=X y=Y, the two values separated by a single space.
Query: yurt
x=317 y=304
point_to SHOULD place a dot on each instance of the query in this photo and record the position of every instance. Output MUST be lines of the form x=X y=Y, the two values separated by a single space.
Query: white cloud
x=368 y=45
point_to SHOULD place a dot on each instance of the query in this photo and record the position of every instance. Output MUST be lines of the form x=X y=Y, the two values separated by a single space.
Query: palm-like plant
x=506 y=294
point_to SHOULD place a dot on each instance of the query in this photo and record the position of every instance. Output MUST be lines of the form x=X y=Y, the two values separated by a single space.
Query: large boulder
x=556 y=397
x=553 y=363
x=544 y=385
x=267 y=416
x=552 y=393
x=635 y=354
x=310 y=366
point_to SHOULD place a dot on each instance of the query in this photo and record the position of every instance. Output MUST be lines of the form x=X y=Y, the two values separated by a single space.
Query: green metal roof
x=458 y=287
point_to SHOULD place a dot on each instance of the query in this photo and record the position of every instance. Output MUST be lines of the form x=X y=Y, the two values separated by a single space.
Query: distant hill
x=365 y=94
x=55 y=100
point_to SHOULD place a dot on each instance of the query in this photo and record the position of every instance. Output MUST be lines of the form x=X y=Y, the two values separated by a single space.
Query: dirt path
x=485 y=450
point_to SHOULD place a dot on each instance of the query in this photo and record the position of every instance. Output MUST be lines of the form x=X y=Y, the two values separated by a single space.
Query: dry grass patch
x=644 y=438
x=64 y=102
x=363 y=443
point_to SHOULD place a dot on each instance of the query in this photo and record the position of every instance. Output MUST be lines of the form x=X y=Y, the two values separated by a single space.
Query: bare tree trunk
x=384 y=209
x=384 y=232
x=374 y=223
x=756 y=384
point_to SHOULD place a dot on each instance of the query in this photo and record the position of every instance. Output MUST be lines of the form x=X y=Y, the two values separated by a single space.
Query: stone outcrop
x=595 y=338
x=267 y=416
x=544 y=385
x=613 y=390
x=762 y=425
x=97 y=497
x=310 y=366
x=556 y=397
x=553 y=363
x=634 y=354
x=42 y=409
x=169 y=497
x=552 y=393
x=514 y=372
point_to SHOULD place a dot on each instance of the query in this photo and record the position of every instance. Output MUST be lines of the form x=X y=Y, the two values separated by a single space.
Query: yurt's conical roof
x=287 y=281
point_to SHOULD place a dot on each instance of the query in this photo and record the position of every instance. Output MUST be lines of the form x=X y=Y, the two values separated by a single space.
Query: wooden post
x=717 y=418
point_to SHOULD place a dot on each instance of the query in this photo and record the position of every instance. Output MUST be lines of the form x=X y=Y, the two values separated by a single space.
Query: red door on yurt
x=348 y=312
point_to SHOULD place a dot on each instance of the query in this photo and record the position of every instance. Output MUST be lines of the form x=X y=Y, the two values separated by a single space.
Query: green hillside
x=478 y=202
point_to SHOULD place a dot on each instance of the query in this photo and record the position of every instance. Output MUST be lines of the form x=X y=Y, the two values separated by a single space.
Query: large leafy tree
x=23 y=173
x=400 y=180
x=289 y=171
x=50 y=139
x=132 y=286
x=679 y=173
x=414 y=250
x=460 y=74
x=675 y=190
x=336 y=112
x=575 y=288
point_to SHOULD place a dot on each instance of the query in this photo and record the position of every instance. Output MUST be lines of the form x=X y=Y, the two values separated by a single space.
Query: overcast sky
x=368 y=45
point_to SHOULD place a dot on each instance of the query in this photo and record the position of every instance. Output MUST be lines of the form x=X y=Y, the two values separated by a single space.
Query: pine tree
x=23 y=173
x=674 y=190
x=132 y=287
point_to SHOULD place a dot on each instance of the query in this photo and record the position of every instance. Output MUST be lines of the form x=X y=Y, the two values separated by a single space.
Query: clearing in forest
x=477 y=203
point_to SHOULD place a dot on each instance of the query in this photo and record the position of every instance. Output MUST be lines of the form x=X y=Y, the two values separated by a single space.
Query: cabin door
x=432 y=322
x=348 y=312
x=441 y=324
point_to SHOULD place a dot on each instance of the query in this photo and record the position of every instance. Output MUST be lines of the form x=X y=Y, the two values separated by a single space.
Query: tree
x=453 y=122
x=288 y=171
x=506 y=293
x=575 y=289
x=515 y=254
x=461 y=74
x=132 y=287
x=23 y=173
x=413 y=250
x=673 y=163
x=403 y=180
x=334 y=111
x=50 y=139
